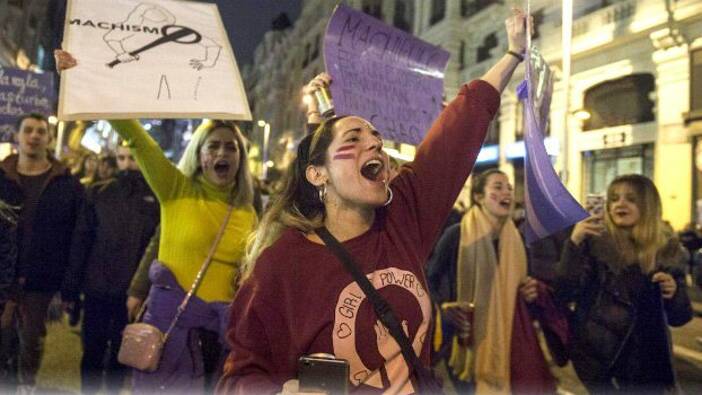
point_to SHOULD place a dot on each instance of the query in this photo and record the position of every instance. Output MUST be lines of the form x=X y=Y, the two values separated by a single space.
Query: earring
x=322 y=193
x=390 y=195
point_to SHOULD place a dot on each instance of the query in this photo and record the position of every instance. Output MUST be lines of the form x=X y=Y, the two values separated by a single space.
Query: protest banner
x=23 y=92
x=161 y=59
x=549 y=206
x=383 y=74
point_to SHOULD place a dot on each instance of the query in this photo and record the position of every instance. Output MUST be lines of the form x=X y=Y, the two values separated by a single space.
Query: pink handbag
x=142 y=343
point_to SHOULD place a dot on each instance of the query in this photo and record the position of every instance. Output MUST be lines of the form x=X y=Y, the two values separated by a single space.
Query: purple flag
x=385 y=75
x=549 y=206
x=22 y=92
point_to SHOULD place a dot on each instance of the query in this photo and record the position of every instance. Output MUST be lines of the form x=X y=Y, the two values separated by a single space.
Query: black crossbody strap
x=380 y=305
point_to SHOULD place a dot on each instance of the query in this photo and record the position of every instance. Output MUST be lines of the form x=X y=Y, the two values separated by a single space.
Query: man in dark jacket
x=50 y=202
x=113 y=229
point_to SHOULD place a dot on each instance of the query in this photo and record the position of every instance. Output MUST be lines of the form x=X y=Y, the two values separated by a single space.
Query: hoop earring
x=390 y=195
x=322 y=193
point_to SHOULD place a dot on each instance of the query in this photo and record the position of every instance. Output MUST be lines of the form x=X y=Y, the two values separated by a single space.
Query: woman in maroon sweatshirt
x=298 y=299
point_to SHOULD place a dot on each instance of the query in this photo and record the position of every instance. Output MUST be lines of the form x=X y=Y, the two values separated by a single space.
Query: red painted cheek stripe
x=344 y=156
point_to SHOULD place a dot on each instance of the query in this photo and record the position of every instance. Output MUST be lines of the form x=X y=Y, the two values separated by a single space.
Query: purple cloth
x=181 y=370
x=549 y=206
x=383 y=74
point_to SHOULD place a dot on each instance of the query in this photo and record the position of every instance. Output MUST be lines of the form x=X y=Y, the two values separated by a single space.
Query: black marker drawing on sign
x=164 y=83
x=169 y=33
x=197 y=86
x=130 y=47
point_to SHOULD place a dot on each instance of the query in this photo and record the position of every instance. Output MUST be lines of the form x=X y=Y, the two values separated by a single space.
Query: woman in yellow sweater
x=195 y=198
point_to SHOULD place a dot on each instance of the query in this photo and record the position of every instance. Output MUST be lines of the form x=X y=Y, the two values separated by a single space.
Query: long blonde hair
x=297 y=205
x=189 y=163
x=642 y=243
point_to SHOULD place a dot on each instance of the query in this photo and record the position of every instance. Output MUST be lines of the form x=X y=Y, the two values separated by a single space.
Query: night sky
x=248 y=20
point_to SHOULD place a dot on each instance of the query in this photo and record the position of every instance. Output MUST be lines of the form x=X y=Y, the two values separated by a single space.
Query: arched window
x=489 y=43
x=438 y=11
x=404 y=15
x=623 y=101
x=373 y=8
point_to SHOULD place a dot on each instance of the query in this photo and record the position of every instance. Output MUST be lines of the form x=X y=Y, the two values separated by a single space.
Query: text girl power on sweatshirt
x=300 y=300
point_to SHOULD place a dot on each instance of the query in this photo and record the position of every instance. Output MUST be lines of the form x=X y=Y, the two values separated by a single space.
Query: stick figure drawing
x=130 y=46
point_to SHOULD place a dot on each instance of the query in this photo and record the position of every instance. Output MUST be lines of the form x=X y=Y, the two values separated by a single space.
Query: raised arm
x=429 y=185
x=161 y=174
x=499 y=75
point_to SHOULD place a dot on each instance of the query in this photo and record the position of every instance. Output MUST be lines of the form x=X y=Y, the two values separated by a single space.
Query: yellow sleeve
x=163 y=176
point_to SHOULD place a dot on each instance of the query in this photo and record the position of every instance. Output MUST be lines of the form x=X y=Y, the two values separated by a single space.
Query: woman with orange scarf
x=478 y=276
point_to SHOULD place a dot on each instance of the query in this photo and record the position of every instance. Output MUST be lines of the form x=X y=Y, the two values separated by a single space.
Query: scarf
x=493 y=283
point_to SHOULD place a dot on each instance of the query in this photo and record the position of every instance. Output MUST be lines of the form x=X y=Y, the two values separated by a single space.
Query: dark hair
x=111 y=160
x=31 y=115
x=477 y=186
x=297 y=204
x=312 y=150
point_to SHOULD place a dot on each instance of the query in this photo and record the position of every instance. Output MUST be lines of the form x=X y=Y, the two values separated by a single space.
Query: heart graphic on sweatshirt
x=344 y=331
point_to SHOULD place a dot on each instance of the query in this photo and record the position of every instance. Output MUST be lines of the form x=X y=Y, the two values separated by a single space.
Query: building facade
x=633 y=104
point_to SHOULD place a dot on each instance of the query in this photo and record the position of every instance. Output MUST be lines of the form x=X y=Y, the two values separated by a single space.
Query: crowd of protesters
x=125 y=236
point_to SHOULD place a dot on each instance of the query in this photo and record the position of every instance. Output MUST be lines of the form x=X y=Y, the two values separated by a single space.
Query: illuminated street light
x=53 y=120
x=261 y=123
x=582 y=115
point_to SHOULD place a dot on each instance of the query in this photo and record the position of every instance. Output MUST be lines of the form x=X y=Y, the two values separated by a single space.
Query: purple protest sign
x=549 y=206
x=385 y=75
x=22 y=92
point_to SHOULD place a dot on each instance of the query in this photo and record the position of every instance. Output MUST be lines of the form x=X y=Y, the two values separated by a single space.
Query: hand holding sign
x=383 y=74
x=169 y=33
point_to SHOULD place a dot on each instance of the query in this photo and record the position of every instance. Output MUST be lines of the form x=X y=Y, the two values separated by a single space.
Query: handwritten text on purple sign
x=383 y=74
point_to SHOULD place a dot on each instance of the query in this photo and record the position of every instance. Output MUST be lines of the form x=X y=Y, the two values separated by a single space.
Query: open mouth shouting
x=373 y=170
x=506 y=203
x=221 y=168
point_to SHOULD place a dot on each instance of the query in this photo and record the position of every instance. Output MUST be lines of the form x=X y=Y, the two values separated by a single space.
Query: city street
x=59 y=373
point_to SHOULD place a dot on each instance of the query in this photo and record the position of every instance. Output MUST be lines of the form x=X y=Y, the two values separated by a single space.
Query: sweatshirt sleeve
x=429 y=186
x=260 y=360
x=161 y=174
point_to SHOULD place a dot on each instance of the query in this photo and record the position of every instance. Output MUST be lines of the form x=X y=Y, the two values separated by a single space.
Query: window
x=622 y=101
x=493 y=134
x=315 y=50
x=373 y=8
x=519 y=119
x=462 y=55
x=472 y=7
x=696 y=84
x=438 y=11
x=306 y=59
x=404 y=15
x=538 y=21
x=489 y=43
x=602 y=166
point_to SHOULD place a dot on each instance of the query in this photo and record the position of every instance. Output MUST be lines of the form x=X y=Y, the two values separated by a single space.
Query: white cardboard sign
x=149 y=59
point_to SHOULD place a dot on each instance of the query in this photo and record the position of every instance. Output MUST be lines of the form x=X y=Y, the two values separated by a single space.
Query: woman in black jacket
x=626 y=292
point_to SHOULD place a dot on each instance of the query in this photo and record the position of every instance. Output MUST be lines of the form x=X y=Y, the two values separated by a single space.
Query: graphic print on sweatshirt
x=364 y=341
